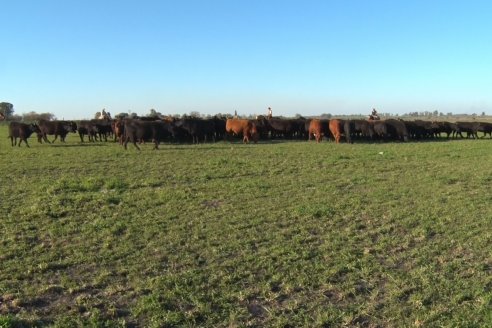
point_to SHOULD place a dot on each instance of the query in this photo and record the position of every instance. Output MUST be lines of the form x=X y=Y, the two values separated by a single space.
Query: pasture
x=278 y=234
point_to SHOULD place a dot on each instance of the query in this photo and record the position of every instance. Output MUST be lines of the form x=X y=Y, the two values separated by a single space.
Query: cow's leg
x=45 y=138
x=134 y=140
x=338 y=137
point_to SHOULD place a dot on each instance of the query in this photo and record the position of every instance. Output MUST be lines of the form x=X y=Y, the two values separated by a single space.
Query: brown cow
x=317 y=128
x=336 y=128
x=246 y=128
x=118 y=127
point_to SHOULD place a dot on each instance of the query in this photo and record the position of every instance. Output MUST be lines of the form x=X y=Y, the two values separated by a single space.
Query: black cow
x=359 y=129
x=485 y=128
x=219 y=124
x=282 y=127
x=86 y=128
x=103 y=128
x=380 y=129
x=197 y=128
x=419 y=129
x=471 y=129
x=396 y=129
x=56 y=128
x=299 y=127
x=138 y=131
x=278 y=127
x=445 y=127
x=22 y=131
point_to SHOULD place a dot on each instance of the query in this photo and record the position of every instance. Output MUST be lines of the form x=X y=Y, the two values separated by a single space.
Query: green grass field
x=284 y=234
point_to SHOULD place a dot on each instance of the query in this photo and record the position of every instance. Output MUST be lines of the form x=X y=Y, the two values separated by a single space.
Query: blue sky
x=73 y=58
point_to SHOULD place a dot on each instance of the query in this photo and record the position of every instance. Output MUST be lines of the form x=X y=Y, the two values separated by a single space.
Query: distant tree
x=326 y=115
x=15 y=118
x=7 y=109
x=97 y=115
x=195 y=113
x=33 y=116
x=435 y=113
x=449 y=114
x=47 y=116
x=483 y=113
x=441 y=114
x=133 y=115
x=121 y=115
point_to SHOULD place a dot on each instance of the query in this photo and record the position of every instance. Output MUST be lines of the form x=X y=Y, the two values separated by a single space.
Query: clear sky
x=73 y=58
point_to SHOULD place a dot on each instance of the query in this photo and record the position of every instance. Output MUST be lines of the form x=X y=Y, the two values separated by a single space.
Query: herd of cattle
x=195 y=130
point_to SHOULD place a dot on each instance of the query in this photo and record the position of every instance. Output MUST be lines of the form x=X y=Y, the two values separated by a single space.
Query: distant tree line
x=7 y=114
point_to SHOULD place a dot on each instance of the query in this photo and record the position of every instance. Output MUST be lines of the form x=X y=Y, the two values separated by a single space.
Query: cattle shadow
x=78 y=145
x=200 y=147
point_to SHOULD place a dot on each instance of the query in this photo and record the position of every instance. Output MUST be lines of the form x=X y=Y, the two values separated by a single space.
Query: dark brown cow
x=239 y=127
x=21 y=131
x=56 y=128
x=317 y=128
x=118 y=127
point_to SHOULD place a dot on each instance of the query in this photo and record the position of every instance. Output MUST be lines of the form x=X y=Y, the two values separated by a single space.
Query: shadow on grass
x=10 y=321
x=79 y=145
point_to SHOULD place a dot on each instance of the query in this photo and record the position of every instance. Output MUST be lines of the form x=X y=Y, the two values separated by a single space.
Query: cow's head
x=72 y=126
x=35 y=128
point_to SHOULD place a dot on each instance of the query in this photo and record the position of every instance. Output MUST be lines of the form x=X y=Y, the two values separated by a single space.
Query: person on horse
x=374 y=115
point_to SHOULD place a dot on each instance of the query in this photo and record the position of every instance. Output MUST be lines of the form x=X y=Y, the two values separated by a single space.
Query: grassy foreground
x=286 y=234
